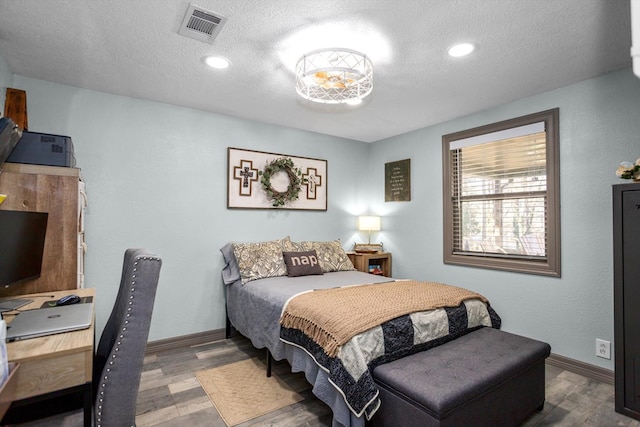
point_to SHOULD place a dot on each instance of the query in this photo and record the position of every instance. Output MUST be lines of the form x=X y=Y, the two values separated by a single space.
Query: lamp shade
x=369 y=223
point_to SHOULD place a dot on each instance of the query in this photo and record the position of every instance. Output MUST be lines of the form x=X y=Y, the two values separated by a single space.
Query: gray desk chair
x=118 y=360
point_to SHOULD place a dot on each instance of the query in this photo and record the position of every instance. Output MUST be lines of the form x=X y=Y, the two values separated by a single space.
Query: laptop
x=48 y=321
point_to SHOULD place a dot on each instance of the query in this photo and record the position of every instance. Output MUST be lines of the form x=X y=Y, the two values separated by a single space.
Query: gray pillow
x=230 y=272
x=302 y=263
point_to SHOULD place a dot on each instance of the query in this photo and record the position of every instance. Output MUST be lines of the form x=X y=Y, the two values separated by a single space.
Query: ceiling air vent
x=201 y=24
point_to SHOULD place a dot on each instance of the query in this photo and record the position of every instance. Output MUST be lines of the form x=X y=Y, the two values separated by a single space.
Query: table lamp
x=369 y=223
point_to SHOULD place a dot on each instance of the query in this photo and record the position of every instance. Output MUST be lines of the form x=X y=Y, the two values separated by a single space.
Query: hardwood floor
x=171 y=396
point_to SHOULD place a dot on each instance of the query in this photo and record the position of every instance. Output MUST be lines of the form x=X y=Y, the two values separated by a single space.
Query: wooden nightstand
x=377 y=263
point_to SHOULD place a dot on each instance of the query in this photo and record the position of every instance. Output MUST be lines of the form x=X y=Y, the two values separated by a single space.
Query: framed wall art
x=397 y=181
x=261 y=180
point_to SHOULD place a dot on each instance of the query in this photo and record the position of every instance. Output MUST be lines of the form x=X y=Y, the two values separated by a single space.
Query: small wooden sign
x=397 y=181
x=15 y=107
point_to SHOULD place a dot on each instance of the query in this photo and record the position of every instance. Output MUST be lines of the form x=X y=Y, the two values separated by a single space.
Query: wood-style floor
x=170 y=394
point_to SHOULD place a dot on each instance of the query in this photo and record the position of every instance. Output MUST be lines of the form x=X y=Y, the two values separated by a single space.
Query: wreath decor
x=281 y=198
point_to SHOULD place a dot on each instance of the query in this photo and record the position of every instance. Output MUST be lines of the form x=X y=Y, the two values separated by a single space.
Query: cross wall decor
x=256 y=178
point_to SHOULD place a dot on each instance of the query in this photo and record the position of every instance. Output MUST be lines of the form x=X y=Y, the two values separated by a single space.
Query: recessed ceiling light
x=461 y=49
x=217 y=62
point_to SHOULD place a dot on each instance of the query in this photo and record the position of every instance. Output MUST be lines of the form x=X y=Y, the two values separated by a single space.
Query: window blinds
x=499 y=194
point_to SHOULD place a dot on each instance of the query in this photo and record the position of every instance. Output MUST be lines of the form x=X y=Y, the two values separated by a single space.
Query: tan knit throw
x=331 y=317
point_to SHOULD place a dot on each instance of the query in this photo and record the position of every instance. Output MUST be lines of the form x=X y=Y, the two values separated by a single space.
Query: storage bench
x=485 y=378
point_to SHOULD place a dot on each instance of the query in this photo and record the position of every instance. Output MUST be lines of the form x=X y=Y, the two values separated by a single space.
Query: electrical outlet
x=603 y=349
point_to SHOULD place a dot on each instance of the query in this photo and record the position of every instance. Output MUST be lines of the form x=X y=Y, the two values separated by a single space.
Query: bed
x=263 y=288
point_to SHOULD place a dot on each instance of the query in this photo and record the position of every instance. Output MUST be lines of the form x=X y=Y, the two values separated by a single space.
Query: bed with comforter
x=336 y=324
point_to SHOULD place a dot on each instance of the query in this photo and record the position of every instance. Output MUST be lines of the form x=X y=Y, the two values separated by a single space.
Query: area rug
x=241 y=391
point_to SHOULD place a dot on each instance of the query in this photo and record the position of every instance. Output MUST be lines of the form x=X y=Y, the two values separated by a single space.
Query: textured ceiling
x=132 y=48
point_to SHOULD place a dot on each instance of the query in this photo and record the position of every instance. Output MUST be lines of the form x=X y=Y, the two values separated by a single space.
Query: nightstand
x=378 y=263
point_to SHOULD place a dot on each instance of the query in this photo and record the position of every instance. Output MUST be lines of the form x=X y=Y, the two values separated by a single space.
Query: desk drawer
x=52 y=374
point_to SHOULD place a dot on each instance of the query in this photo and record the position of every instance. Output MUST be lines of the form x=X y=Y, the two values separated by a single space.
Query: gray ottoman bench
x=485 y=378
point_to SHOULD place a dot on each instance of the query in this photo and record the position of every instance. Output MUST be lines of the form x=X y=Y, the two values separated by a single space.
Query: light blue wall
x=156 y=178
x=599 y=128
x=6 y=80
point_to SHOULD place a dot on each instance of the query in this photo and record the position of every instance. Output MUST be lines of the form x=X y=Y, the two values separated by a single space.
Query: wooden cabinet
x=626 y=298
x=58 y=191
x=377 y=263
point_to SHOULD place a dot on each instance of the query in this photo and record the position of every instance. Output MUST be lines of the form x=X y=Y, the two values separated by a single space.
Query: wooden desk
x=55 y=363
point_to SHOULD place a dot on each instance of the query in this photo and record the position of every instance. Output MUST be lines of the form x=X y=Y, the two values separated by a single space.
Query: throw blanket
x=351 y=330
x=331 y=317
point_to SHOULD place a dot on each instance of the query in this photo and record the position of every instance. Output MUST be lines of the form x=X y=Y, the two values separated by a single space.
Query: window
x=502 y=195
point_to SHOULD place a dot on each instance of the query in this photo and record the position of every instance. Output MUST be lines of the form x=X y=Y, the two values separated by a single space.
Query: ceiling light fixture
x=217 y=62
x=462 y=49
x=334 y=76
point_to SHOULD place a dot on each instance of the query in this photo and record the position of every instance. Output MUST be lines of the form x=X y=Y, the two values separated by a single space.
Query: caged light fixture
x=334 y=76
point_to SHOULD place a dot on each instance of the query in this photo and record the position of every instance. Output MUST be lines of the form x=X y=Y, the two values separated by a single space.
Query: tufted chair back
x=118 y=360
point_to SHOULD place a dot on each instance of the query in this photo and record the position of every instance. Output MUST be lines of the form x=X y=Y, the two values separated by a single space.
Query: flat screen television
x=22 y=236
